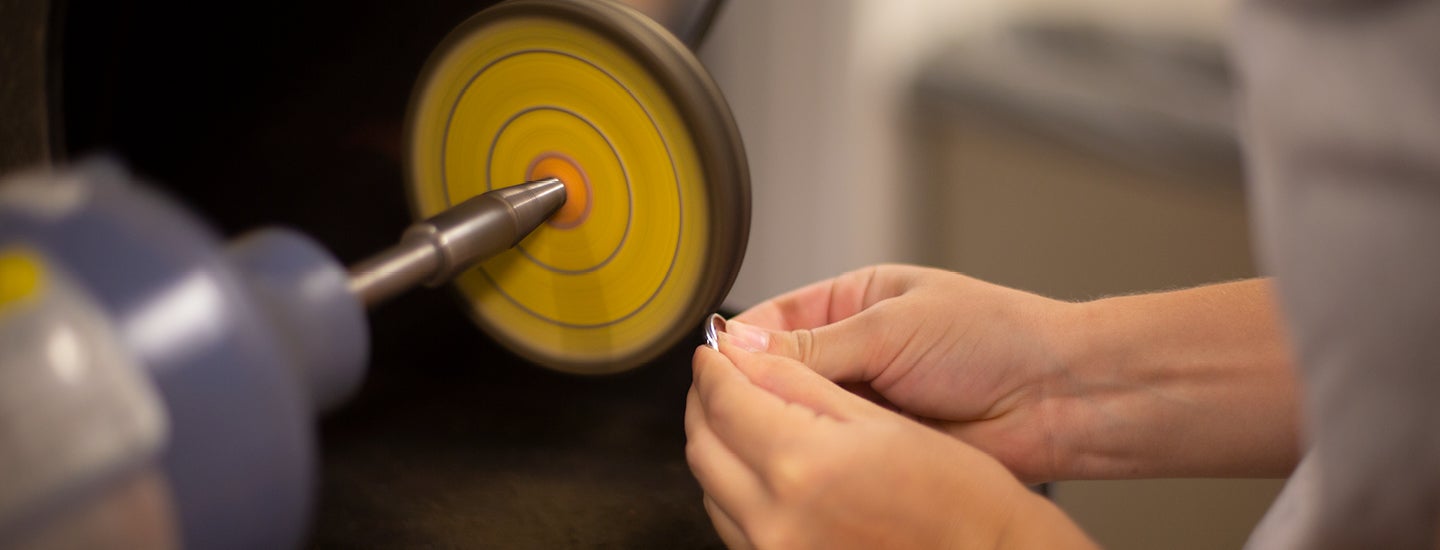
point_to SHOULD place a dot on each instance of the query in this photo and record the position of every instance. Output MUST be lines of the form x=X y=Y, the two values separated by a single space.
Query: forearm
x=1191 y=383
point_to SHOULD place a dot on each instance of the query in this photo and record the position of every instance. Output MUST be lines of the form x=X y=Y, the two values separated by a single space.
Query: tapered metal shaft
x=433 y=251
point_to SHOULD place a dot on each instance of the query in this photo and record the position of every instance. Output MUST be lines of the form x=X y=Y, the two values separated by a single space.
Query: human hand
x=1194 y=382
x=973 y=359
x=790 y=460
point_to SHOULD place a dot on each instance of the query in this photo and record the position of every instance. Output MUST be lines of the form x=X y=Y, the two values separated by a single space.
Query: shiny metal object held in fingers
x=713 y=327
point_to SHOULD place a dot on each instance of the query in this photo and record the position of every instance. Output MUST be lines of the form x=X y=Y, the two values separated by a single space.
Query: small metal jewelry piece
x=713 y=327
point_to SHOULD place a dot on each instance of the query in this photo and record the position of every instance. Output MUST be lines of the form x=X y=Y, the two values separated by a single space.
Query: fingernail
x=748 y=337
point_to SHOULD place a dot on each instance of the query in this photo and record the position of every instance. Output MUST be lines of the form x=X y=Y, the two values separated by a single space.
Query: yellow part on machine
x=657 y=208
x=22 y=275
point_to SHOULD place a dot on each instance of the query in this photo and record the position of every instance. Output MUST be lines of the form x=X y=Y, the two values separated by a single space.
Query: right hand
x=975 y=360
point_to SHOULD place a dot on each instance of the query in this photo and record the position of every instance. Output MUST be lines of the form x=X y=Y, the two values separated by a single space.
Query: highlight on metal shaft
x=433 y=251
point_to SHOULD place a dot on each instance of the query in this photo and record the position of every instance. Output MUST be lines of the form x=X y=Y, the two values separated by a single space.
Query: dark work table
x=455 y=443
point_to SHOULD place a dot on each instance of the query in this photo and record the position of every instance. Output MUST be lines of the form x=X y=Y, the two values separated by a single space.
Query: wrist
x=1116 y=389
x=1101 y=387
x=1074 y=356
x=1152 y=385
x=1108 y=390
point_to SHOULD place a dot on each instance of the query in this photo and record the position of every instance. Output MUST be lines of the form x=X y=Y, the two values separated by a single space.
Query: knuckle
x=718 y=418
x=696 y=458
x=795 y=477
x=692 y=453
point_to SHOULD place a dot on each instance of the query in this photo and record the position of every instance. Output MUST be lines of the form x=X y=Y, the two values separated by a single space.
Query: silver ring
x=713 y=327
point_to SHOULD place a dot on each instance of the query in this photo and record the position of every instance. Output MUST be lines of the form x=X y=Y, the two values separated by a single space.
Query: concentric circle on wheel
x=595 y=94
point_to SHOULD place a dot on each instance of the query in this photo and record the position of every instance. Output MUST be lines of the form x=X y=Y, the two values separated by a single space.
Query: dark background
x=291 y=114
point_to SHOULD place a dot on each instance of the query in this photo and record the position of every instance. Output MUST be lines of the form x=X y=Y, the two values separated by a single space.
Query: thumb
x=844 y=351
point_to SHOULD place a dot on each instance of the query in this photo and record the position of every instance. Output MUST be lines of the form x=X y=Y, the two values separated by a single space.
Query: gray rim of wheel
x=706 y=115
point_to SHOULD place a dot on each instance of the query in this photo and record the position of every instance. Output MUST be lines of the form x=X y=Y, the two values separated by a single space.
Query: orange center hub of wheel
x=577 y=188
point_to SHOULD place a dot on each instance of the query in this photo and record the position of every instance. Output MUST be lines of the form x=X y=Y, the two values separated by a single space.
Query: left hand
x=790 y=460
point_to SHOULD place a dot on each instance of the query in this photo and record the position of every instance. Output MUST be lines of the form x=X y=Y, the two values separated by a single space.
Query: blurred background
x=1073 y=148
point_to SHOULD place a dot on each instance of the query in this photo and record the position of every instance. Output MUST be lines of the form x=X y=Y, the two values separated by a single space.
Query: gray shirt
x=1342 y=136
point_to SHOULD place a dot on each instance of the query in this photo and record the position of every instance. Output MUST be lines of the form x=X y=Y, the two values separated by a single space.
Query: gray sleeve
x=1342 y=137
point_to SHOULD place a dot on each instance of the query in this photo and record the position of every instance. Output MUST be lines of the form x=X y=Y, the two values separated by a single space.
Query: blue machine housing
x=244 y=343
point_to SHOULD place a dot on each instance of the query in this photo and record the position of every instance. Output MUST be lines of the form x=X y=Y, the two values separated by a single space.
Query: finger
x=730 y=532
x=794 y=382
x=747 y=419
x=805 y=307
x=828 y=301
x=854 y=349
x=720 y=472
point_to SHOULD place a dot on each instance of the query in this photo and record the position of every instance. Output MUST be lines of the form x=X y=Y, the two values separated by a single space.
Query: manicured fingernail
x=748 y=337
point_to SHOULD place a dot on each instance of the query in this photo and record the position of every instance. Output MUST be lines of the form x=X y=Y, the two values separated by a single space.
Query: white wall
x=816 y=87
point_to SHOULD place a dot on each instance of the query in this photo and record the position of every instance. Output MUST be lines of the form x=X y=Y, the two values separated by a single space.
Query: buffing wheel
x=658 y=202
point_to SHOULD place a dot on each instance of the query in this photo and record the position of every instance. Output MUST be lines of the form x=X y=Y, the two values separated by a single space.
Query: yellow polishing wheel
x=657 y=192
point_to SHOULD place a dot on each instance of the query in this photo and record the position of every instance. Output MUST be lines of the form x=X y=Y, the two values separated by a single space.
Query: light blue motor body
x=241 y=344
